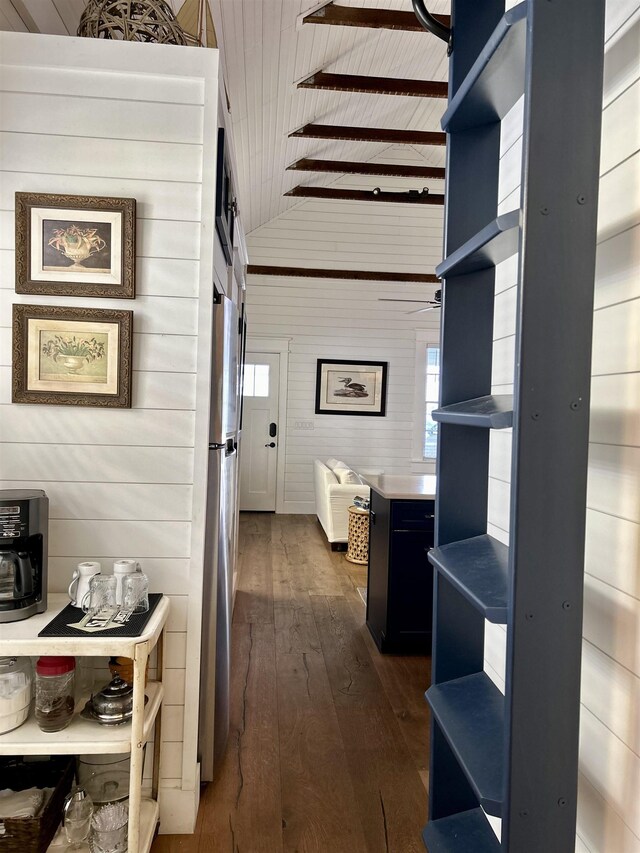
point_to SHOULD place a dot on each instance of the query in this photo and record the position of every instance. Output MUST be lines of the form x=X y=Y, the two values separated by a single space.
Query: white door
x=260 y=428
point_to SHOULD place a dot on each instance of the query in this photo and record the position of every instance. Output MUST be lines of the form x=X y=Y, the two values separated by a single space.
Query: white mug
x=80 y=579
x=120 y=569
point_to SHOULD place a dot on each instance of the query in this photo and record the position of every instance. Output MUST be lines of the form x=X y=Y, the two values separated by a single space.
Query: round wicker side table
x=358 y=541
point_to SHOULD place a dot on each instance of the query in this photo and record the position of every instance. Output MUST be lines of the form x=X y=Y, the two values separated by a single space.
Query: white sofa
x=333 y=498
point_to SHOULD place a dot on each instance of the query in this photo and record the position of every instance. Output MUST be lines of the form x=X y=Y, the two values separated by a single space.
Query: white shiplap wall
x=344 y=319
x=119 y=119
x=609 y=778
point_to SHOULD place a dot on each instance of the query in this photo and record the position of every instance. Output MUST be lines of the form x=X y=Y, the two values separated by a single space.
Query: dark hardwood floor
x=328 y=749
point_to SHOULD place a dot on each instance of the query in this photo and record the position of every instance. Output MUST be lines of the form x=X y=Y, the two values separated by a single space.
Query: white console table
x=84 y=736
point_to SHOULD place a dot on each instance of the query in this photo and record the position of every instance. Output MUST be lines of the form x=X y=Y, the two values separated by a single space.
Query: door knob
x=271 y=444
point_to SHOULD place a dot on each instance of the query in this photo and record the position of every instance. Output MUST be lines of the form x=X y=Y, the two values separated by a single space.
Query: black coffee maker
x=24 y=523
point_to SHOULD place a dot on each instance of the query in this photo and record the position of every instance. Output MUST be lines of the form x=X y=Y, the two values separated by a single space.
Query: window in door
x=256 y=380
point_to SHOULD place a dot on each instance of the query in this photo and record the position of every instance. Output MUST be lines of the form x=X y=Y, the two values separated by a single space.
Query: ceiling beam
x=360 y=275
x=375 y=85
x=349 y=167
x=410 y=197
x=387 y=19
x=370 y=134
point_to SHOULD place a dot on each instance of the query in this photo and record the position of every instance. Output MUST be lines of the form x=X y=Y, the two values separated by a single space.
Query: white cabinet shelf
x=87 y=737
x=82 y=736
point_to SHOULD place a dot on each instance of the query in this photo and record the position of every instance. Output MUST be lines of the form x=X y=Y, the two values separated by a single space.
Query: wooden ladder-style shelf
x=514 y=755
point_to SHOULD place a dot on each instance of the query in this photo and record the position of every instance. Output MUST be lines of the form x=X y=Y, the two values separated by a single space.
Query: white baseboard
x=299 y=507
x=178 y=810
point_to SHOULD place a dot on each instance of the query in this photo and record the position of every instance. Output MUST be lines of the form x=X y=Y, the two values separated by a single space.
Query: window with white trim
x=427 y=393
x=431 y=394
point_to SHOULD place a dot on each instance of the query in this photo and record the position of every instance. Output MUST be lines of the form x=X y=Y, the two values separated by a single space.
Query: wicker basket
x=133 y=20
x=34 y=834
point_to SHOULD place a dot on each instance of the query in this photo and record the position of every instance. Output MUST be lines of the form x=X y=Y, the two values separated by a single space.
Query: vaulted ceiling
x=266 y=51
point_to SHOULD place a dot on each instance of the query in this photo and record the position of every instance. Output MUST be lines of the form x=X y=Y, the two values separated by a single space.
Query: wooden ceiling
x=267 y=51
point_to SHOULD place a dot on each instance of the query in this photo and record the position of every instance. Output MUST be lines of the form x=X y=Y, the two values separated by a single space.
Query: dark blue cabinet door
x=378 y=575
x=411 y=589
x=400 y=582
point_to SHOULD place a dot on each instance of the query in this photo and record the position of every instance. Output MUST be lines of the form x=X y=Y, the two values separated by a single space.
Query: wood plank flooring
x=328 y=748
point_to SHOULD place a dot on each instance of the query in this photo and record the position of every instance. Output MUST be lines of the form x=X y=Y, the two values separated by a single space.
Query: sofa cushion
x=347 y=476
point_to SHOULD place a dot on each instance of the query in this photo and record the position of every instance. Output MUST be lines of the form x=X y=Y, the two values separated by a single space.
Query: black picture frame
x=225 y=208
x=351 y=387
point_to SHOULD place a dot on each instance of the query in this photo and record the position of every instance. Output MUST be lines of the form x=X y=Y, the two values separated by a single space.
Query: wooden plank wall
x=119 y=481
x=609 y=780
x=343 y=319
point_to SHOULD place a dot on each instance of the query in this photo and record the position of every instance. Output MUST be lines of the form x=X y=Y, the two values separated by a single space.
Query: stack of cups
x=132 y=591
x=122 y=568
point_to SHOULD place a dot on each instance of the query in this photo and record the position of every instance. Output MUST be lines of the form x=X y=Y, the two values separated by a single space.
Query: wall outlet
x=304 y=425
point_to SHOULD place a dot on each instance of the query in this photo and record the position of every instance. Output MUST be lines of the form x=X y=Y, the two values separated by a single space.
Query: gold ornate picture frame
x=71 y=245
x=72 y=356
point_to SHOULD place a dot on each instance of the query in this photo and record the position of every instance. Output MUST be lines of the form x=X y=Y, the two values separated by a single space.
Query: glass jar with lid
x=16 y=691
x=55 y=703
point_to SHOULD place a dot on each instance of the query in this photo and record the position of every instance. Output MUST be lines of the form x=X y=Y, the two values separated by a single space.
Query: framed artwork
x=72 y=245
x=72 y=356
x=225 y=200
x=351 y=387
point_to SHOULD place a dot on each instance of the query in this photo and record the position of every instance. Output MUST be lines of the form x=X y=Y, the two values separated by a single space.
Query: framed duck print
x=351 y=387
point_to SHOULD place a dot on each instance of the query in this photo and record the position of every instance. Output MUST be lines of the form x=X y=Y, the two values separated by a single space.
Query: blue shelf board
x=479 y=569
x=496 y=242
x=464 y=832
x=496 y=79
x=491 y=412
x=470 y=713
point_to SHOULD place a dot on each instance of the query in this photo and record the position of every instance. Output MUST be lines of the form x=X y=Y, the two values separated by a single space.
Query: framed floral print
x=72 y=356
x=69 y=245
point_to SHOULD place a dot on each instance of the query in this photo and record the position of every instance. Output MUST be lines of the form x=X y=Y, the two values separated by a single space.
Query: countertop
x=403 y=486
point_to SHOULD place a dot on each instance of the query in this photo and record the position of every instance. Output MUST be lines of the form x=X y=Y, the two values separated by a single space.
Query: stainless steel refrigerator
x=220 y=537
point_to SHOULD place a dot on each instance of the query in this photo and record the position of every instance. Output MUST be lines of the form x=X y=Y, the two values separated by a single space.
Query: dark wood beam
x=360 y=275
x=349 y=167
x=370 y=134
x=411 y=197
x=387 y=19
x=375 y=85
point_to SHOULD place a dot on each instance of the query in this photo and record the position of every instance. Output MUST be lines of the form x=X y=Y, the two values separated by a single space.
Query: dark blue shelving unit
x=496 y=242
x=514 y=755
x=479 y=569
x=466 y=832
x=494 y=411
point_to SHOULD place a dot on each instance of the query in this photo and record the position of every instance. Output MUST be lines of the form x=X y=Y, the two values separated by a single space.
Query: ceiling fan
x=432 y=304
